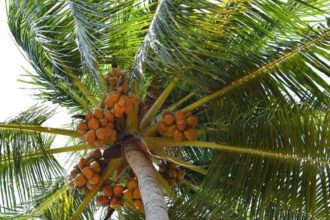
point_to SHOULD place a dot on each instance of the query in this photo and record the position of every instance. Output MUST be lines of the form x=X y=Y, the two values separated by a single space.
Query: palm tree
x=256 y=73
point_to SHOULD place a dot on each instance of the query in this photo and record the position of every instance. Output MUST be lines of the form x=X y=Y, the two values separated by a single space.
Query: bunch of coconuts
x=179 y=126
x=98 y=128
x=87 y=173
x=132 y=195
x=117 y=100
x=117 y=196
x=171 y=173
x=120 y=103
x=116 y=79
x=111 y=196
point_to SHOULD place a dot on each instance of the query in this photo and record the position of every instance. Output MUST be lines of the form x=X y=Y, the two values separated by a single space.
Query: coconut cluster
x=179 y=126
x=117 y=80
x=98 y=128
x=171 y=173
x=117 y=99
x=111 y=195
x=118 y=196
x=119 y=103
x=132 y=195
x=87 y=173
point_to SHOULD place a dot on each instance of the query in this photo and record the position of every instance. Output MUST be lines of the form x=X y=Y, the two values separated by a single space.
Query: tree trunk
x=152 y=197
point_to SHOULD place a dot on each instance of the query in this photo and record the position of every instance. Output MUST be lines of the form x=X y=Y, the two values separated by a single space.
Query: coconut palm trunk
x=152 y=197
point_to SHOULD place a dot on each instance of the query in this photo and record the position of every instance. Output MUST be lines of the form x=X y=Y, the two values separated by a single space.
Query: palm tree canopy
x=256 y=72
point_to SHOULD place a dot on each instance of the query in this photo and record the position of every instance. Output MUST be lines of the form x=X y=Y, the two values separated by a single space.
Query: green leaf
x=259 y=47
x=40 y=29
x=18 y=173
x=55 y=200
x=270 y=187
x=200 y=205
x=108 y=31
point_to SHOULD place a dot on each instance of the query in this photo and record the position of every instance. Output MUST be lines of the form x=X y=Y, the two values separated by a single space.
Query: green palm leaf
x=228 y=46
x=283 y=187
x=18 y=173
x=102 y=26
x=40 y=30
x=56 y=201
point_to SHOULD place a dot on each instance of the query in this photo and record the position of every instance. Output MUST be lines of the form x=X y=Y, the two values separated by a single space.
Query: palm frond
x=226 y=44
x=18 y=173
x=40 y=29
x=75 y=148
x=56 y=201
x=16 y=142
x=21 y=174
x=290 y=86
x=108 y=31
x=200 y=205
x=129 y=214
x=157 y=104
x=31 y=120
x=284 y=188
x=38 y=129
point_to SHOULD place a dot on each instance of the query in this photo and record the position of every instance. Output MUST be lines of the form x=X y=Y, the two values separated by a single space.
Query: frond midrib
x=37 y=128
x=48 y=152
x=263 y=70
x=156 y=142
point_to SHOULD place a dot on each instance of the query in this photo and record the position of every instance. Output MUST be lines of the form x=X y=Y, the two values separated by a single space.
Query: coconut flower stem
x=151 y=129
x=179 y=162
x=180 y=102
x=158 y=104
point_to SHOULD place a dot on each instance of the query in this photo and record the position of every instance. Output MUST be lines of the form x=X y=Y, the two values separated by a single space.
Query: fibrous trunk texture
x=152 y=197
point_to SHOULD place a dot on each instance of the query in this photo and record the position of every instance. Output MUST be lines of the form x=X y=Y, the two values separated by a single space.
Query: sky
x=12 y=98
x=14 y=95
